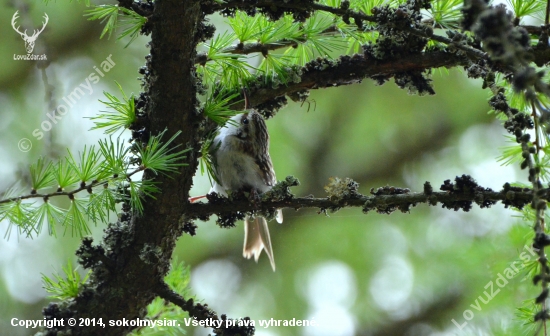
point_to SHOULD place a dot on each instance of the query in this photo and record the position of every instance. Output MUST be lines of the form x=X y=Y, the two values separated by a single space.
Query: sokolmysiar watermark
x=52 y=118
x=24 y=145
x=500 y=281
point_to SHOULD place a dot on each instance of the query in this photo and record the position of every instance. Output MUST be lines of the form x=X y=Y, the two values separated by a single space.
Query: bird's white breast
x=235 y=169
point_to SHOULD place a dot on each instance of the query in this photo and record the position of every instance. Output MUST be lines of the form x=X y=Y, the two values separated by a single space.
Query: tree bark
x=129 y=267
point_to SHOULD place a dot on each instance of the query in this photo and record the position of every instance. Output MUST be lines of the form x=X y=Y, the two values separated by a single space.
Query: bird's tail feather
x=256 y=238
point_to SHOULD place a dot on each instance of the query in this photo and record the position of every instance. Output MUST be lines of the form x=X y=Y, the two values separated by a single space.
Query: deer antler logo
x=29 y=40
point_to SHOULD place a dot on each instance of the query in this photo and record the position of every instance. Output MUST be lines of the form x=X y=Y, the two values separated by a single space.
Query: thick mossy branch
x=399 y=28
x=460 y=194
x=346 y=70
x=140 y=247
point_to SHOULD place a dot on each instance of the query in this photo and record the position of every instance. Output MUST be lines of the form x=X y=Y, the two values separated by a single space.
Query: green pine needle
x=123 y=116
x=446 y=13
x=510 y=154
x=130 y=22
x=65 y=175
x=219 y=43
x=273 y=32
x=542 y=163
x=525 y=314
x=229 y=68
x=160 y=157
x=217 y=109
x=234 y=72
x=108 y=14
x=139 y=190
x=42 y=174
x=276 y=68
x=101 y=205
x=317 y=39
x=178 y=278
x=47 y=213
x=131 y=25
x=75 y=218
x=64 y=288
x=103 y=174
x=89 y=165
x=206 y=163
x=523 y=8
x=115 y=158
x=244 y=26
x=333 y=3
x=18 y=214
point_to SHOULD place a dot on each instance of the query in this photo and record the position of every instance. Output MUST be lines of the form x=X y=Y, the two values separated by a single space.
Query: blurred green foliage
x=419 y=270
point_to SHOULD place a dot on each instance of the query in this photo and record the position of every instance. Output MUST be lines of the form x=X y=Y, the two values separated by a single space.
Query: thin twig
x=67 y=193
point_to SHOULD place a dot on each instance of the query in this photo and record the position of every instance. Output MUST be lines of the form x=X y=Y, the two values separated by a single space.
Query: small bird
x=240 y=154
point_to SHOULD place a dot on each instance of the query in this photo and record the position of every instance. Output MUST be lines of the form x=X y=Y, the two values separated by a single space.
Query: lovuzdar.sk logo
x=29 y=40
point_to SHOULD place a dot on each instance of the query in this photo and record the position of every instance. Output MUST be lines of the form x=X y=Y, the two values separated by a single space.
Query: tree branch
x=249 y=48
x=458 y=195
x=346 y=70
x=140 y=247
x=346 y=12
x=322 y=73
x=238 y=4
x=69 y=194
x=144 y=9
x=203 y=313
x=536 y=30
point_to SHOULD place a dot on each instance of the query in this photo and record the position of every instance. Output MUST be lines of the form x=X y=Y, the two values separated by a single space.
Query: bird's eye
x=245 y=121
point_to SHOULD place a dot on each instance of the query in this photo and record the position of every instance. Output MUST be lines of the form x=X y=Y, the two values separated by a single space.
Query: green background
x=355 y=274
